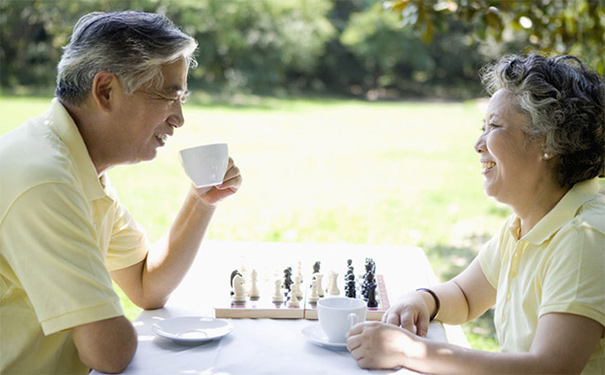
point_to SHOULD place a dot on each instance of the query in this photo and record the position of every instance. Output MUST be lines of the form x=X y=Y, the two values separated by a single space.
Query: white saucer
x=192 y=329
x=316 y=335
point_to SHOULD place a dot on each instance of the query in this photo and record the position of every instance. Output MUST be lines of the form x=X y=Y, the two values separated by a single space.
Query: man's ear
x=103 y=89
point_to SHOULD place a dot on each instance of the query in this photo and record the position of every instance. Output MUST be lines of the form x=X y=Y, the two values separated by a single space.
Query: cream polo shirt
x=61 y=231
x=558 y=267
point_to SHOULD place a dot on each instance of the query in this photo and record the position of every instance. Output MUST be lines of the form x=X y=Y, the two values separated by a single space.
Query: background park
x=351 y=120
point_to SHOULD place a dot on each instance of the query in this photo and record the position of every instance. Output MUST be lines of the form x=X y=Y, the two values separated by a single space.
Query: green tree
x=553 y=26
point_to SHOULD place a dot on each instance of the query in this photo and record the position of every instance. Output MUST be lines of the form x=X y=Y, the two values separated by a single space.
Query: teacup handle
x=353 y=319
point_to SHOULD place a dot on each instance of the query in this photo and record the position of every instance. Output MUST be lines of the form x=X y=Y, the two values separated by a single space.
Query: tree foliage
x=372 y=48
x=574 y=27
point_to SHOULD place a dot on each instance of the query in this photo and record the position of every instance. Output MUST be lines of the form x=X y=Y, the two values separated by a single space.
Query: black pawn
x=371 y=290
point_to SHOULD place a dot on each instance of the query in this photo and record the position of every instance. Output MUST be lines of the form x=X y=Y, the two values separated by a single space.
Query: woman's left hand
x=230 y=185
x=379 y=345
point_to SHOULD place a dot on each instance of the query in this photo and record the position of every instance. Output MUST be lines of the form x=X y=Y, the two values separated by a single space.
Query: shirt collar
x=564 y=211
x=65 y=127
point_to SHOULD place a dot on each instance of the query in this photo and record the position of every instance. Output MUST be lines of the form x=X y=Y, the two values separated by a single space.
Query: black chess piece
x=371 y=290
x=350 y=288
x=369 y=280
x=316 y=266
x=287 y=278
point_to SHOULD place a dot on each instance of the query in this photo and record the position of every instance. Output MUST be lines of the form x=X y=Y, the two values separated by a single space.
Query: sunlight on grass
x=396 y=173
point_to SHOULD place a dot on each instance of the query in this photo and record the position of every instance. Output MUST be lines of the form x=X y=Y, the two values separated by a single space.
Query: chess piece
x=254 y=293
x=333 y=284
x=233 y=274
x=350 y=288
x=316 y=267
x=293 y=301
x=371 y=291
x=314 y=296
x=298 y=283
x=287 y=278
x=239 y=290
x=368 y=280
x=320 y=290
x=277 y=297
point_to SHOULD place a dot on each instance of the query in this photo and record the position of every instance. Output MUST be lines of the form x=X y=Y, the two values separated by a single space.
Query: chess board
x=264 y=307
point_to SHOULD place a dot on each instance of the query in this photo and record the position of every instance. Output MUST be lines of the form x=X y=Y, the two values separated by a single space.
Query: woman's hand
x=378 y=345
x=230 y=185
x=410 y=312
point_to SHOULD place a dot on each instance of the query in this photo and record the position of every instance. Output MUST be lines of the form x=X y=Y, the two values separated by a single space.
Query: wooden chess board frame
x=264 y=308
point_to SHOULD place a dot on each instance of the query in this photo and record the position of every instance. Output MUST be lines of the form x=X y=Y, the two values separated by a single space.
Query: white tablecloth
x=269 y=346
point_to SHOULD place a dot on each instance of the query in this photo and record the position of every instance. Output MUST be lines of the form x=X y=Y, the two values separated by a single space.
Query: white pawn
x=320 y=289
x=314 y=297
x=298 y=282
x=239 y=290
x=293 y=301
x=333 y=284
x=254 y=293
x=277 y=296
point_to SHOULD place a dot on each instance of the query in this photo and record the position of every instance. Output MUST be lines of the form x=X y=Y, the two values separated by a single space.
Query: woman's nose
x=479 y=145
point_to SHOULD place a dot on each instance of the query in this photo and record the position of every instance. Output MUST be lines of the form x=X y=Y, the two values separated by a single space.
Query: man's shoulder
x=32 y=155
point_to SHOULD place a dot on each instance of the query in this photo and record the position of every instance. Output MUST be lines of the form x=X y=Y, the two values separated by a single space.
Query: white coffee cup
x=338 y=314
x=206 y=165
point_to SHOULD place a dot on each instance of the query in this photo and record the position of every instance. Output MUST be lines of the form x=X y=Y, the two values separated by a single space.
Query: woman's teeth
x=488 y=165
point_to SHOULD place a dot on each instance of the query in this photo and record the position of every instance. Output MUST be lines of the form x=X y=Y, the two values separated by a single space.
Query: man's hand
x=230 y=185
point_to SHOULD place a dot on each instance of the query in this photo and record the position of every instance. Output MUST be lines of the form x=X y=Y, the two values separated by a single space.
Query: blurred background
x=352 y=121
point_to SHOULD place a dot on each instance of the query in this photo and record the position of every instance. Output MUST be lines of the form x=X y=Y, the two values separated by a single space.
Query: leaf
x=400 y=5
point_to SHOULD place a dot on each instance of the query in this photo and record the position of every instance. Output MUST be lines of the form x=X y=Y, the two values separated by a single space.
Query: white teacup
x=338 y=314
x=206 y=165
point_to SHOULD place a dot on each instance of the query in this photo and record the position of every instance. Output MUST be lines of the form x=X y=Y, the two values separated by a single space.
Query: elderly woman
x=542 y=147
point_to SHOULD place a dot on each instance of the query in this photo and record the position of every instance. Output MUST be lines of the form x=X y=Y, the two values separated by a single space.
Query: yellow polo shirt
x=558 y=267
x=61 y=230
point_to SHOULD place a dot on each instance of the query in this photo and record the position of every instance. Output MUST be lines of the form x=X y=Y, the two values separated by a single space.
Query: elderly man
x=63 y=234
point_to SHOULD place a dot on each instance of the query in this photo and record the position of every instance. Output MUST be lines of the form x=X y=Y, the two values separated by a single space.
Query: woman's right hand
x=410 y=312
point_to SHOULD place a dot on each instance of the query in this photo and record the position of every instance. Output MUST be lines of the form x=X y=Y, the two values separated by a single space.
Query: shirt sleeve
x=49 y=241
x=490 y=259
x=574 y=281
x=129 y=243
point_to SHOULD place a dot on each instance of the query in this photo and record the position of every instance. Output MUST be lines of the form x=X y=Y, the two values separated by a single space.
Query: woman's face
x=513 y=166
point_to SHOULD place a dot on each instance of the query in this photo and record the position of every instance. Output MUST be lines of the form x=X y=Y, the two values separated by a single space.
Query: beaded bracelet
x=437 y=302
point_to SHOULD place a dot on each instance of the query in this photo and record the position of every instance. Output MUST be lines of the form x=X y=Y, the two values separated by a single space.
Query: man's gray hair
x=565 y=103
x=132 y=45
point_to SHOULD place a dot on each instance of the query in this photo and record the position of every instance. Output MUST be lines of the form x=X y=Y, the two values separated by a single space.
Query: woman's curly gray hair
x=565 y=103
x=132 y=45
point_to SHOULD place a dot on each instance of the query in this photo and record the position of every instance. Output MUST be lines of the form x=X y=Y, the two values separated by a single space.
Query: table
x=270 y=346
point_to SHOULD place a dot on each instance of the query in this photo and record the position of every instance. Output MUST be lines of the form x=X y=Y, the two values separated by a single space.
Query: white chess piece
x=314 y=297
x=293 y=301
x=298 y=282
x=239 y=290
x=277 y=297
x=254 y=293
x=333 y=288
x=320 y=289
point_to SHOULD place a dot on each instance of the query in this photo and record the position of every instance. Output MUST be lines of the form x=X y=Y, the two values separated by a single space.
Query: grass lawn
x=396 y=173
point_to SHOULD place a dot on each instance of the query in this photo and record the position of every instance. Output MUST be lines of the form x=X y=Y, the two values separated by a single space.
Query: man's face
x=150 y=115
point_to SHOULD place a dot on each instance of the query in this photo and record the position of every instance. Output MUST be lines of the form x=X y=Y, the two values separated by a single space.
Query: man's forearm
x=170 y=259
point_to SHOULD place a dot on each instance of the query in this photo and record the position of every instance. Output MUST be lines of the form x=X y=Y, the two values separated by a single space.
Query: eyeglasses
x=170 y=96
